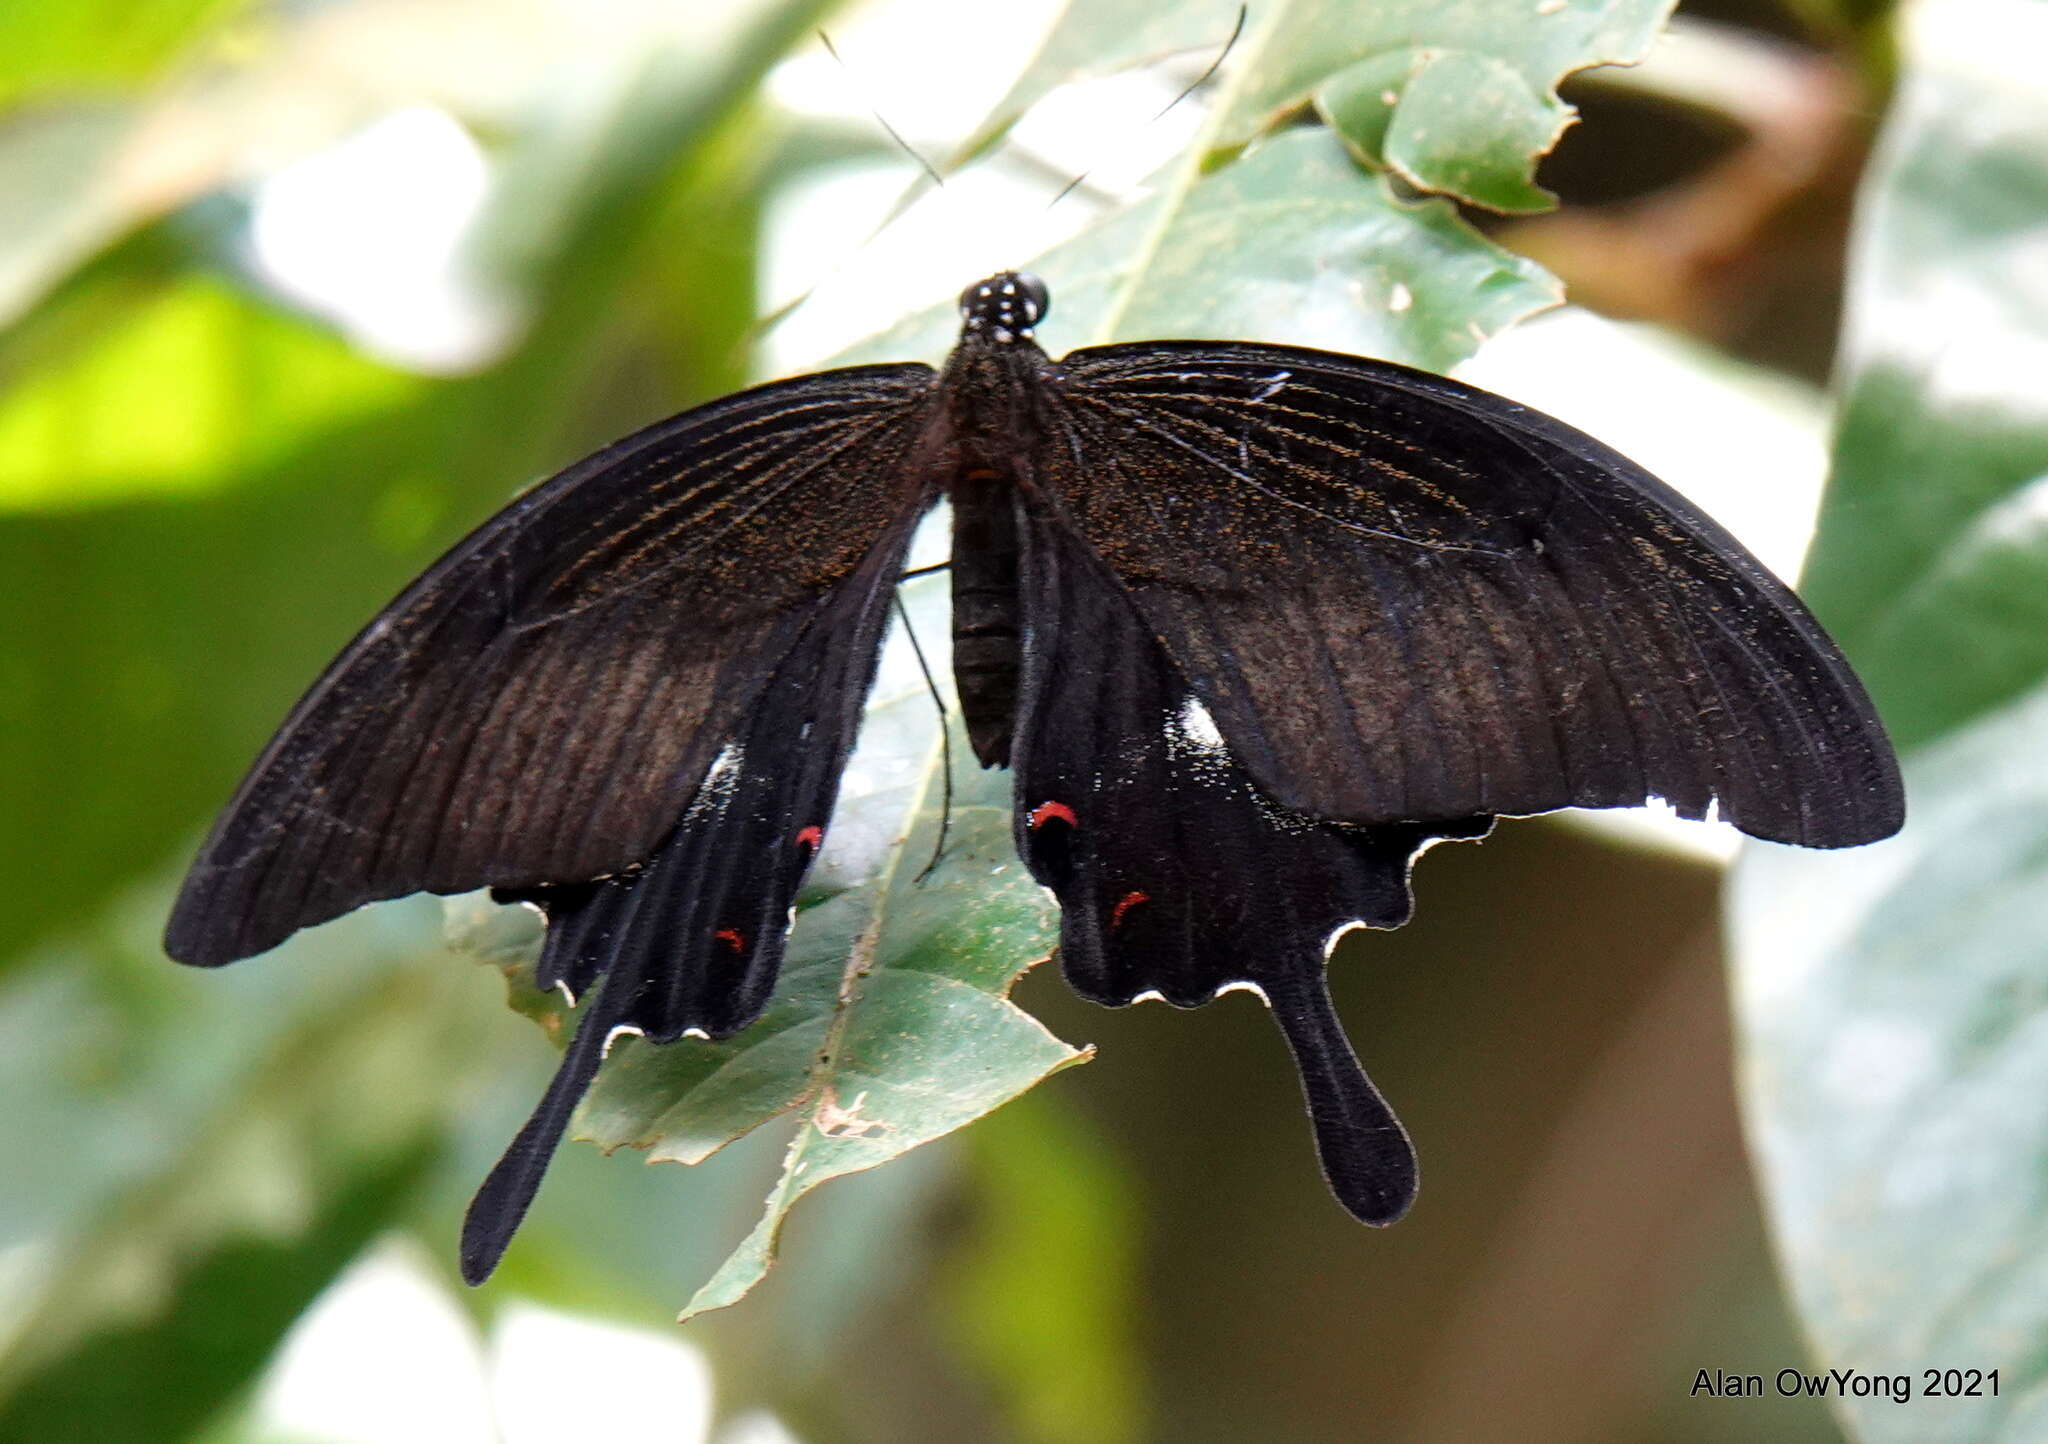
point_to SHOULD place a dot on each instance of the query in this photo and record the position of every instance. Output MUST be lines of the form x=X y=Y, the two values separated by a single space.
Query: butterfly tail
x=1364 y=1150
x=495 y=1213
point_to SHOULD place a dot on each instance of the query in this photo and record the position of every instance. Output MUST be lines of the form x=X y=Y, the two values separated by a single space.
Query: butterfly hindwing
x=700 y=924
x=1176 y=876
x=691 y=940
x=539 y=707
x=1404 y=598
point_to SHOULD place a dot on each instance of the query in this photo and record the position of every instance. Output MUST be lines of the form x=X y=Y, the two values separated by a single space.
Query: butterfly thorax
x=989 y=394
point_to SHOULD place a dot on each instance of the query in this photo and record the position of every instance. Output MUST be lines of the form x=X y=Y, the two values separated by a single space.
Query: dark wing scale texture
x=1405 y=599
x=1174 y=874
x=692 y=941
x=540 y=706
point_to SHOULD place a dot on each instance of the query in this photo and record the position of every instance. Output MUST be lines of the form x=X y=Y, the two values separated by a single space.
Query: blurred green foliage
x=204 y=488
x=1896 y=1003
x=97 y=46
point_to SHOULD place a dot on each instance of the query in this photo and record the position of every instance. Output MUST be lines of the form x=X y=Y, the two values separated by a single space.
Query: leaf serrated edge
x=808 y=1104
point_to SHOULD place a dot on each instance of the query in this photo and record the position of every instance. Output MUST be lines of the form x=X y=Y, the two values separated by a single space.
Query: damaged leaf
x=891 y=1025
x=1457 y=97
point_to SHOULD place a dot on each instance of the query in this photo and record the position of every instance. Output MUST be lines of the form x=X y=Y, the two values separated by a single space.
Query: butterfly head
x=1005 y=307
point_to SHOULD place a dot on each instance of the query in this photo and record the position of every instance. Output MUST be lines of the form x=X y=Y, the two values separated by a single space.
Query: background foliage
x=209 y=475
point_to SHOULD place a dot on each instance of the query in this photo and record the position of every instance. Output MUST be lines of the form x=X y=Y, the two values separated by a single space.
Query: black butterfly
x=1251 y=624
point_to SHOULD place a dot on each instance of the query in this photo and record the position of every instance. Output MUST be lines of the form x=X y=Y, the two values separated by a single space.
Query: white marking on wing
x=1244 y=985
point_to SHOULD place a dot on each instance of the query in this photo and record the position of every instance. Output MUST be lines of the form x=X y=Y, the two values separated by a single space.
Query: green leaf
x=891 y=1023
x=1457 y=97
x=86 y=46
x=1320 y=254
x=85 y=153
x=214 y=409
x=1460 y=98
x=1103 y=38
x=896 y=1026
x=166 y=1376
x=1291 y=243
x=1891 y=999
x=157 y=635
x=1450 y=121
x=1285 y=241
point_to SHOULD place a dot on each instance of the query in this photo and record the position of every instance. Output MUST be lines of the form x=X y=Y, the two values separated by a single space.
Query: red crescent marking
x=1124 y=904
x=732 y=939
x=1046 y=811
x=810 y=837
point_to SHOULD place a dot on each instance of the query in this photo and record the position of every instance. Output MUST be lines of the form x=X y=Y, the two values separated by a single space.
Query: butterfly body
x=988 y=636
x=990 y=388
x=1251 y=625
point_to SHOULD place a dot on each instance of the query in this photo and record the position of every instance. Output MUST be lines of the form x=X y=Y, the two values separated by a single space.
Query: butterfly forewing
x=1404 y=599
x=540 y=706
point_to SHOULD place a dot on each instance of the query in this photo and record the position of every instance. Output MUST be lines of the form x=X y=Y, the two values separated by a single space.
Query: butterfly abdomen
x=987 y=636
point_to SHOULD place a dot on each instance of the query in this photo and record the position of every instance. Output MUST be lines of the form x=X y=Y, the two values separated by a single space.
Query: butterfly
x=1251 y=625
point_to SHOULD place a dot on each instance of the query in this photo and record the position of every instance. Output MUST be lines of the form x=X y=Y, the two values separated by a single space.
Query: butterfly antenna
x=945 y=739
x=1236 y=33
x=883 y=121
x=782 y=313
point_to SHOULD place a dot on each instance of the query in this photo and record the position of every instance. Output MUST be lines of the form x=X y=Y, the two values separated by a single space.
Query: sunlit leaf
x=1285 y=241
x=1292 y=243
x=79 y=165
x=1091 y=40
x=56 y=191
x=154 y=637
x=1892 y=999
x=83 y=47
x=190 y=392
x=1318 y=253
